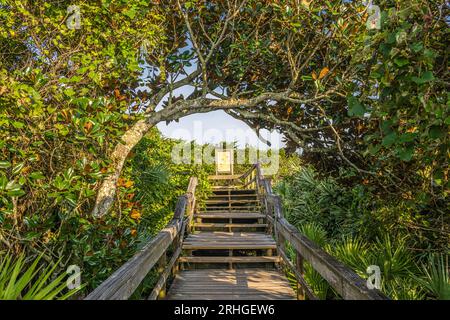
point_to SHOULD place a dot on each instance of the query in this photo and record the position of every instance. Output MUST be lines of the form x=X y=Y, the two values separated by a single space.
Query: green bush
x=436 y=277
x=360 y=230
x=309 y=198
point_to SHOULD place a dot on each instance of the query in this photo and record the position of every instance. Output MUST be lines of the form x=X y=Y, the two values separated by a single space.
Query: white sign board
x=224 y=161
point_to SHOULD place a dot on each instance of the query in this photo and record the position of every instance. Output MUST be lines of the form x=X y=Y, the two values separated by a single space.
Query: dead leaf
x=118 y=95
x=289 y=110
x=128 y=184
x=135 y=214
x=88 y=126
x=323 y=73
x=412 y=130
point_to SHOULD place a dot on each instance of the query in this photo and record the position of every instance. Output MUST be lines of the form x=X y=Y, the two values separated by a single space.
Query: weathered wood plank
x=122 y=283
x=232 y=201
x=231 y=215
x=240 y=284
x=225 y=177
x=230 y=225
x=347 y=283
x=212 y=246
x=305 y=287
x=250 y=259
x=165 y=275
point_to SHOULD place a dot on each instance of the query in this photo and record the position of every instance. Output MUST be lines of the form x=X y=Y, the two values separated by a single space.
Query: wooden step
x=235 y=208
x=230 y=215
x=230 y=225
x=228 y=246
x=228 y=240
x=232 y=190
x=254 y=259
x=224 y=210
x=224 y=177
x=226 y=202
x=238 y=284
x=224 y=188
x=232 y=195
x=229 y=210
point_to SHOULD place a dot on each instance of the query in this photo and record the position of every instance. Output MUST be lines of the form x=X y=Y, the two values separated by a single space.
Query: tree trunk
x=107 y=191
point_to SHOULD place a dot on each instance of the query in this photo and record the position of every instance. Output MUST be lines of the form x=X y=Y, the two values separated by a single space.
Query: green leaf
x=36 y=175
x=18 y=167
x=416 y=47
x=407 y=137
x=3 y=181
x=131 y=13
x=18 y=125
x=373 y=149
x=5 y=164
x=69 y=92
x=436 y=132
x=406 y=154
x=426 y=77
x=401 y=62
x=389 y=139
x=438 y=177
x=355 y=108
x=15 y=193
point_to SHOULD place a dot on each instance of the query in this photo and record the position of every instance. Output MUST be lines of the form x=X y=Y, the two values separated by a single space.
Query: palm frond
x=20 y=281
x=436 y=277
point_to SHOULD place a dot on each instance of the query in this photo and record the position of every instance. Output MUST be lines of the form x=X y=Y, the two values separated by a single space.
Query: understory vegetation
x=362 y=229
x=60 y=233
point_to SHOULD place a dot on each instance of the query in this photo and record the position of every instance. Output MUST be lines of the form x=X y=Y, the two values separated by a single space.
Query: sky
x=212 y=127
x=217 y=126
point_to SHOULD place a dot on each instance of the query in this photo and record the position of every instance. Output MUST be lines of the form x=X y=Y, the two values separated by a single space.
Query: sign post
x=224 y=161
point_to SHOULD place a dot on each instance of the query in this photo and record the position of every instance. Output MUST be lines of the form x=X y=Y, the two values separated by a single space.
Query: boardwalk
x=233 y=247
x=237 y=284
x=230 y=255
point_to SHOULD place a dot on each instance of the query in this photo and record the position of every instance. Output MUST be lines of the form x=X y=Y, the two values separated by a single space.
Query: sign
x=224 y=161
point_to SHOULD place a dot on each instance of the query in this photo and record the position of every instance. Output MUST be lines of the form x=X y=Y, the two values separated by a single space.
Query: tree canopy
x=348 y=87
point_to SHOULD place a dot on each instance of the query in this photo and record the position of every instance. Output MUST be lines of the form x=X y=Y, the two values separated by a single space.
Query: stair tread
x=232 y=215
x=232 y=195
x=232 y=225
x=232 y=201
x=232 y=189
x=252 y=259
x=238 y=284
x=235 y=208
x=229 y=240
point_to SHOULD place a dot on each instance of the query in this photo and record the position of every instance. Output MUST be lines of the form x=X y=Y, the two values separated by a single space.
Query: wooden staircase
x=233 y=248
x=230 y=230
x=229 y=251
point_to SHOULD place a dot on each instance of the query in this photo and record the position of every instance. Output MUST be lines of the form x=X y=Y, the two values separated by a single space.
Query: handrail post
x=161 y=266
x=300 y=268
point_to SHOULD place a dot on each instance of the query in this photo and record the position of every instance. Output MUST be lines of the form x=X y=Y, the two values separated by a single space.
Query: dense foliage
x=367 y=108
x=361 y=230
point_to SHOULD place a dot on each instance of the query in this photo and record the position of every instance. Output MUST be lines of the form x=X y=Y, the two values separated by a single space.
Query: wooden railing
x=122 y=283
x=343 y=280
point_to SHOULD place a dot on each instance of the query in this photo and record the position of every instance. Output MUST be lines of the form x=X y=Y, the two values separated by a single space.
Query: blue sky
x=212 y=127
x=216 y=126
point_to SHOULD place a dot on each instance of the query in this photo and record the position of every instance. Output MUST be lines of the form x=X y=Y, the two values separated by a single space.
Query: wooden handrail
x=344 y=280
x=123 y=282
